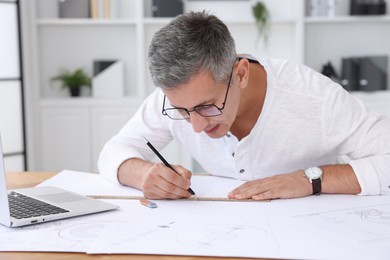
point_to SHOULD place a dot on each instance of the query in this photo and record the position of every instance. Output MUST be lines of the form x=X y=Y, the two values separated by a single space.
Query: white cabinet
x=107 y=120
x=72 y=131
x=65 y=138
x=72 y=134
x=330 y=39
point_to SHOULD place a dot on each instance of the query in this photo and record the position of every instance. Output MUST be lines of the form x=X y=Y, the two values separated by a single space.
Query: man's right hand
x=155 y=179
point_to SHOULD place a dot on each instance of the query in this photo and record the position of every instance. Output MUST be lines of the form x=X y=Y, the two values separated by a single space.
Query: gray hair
x=192 y=43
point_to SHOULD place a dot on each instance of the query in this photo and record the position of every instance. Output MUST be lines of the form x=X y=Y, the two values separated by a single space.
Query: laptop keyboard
x=22 y=206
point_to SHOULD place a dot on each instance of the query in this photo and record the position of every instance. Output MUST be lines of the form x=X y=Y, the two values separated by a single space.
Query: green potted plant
x=73 y=80
x=262 y=17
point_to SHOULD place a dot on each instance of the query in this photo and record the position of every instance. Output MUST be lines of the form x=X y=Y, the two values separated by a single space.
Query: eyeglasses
x=210 y=110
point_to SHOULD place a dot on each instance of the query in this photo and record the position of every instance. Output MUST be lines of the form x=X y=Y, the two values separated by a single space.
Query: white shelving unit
x=351 y=36
x=66 y=132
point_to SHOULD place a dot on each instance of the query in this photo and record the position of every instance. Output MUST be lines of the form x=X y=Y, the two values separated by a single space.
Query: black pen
x=164 y=161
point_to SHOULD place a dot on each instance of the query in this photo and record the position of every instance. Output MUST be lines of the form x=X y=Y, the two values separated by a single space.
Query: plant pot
x=74 y=91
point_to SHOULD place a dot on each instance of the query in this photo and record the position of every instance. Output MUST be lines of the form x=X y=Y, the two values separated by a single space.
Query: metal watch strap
x=316 y=183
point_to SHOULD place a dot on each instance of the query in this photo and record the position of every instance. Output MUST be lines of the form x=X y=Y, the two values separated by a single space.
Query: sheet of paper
x=295 y=228
x=94 y=184
x=192 y=228
x=362 y=224
x=234 y=229
x=88 y=184
x=68 y=235
x=188 y=237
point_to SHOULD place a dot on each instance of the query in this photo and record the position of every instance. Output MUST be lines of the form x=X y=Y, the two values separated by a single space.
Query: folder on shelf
x=349 y=73
x=364 y=73
x=373 y=73
x=109 y=79
x=164 y=8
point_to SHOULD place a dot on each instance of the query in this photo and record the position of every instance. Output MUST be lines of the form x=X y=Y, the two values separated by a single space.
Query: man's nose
x=198 y=122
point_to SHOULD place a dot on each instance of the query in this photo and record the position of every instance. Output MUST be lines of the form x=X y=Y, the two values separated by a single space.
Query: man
x=281 y=126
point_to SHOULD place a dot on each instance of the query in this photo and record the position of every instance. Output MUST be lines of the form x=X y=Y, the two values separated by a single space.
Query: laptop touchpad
x=62 y=197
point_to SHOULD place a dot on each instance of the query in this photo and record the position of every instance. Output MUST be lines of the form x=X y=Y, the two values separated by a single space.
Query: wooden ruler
x=193 y=198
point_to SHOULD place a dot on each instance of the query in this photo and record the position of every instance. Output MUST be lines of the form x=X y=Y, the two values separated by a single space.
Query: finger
x=151 y=195
x=247 y=190
x=245 y=195
x=158 y=185
x=249 y=193
x=239 y=189
x=158 y=192
x=268 y=195
x=183 y=172
x=175 y=178
x=168 y=189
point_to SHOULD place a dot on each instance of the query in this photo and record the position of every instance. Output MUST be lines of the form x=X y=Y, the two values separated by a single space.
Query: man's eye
x=204 y=108
x=207 y=110
x=182 y=112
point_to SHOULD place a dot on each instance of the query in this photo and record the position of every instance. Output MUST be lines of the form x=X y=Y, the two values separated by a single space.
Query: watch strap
x=316 y=183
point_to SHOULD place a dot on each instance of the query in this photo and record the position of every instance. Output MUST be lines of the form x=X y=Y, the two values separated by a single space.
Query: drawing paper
x=361 y=224
x=95 y=184
x=314 y=227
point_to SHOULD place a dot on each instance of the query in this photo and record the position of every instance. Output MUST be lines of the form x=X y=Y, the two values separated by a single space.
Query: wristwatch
x=314 y=175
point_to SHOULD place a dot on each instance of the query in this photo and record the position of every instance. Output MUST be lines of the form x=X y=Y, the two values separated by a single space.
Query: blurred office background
x=44 y=128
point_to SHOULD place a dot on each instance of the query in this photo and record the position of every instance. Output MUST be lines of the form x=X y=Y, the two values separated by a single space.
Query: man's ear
x=242 y=68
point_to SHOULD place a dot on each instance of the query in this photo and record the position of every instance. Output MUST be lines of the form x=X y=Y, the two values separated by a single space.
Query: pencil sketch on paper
x=185 y=237
x=223 y=236
x=130 y=233
x=63 y=235
x=364 y=225
x=81 y=232
x=374 y=215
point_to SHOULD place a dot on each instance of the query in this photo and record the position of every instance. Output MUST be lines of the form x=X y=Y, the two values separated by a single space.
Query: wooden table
x=28 y=179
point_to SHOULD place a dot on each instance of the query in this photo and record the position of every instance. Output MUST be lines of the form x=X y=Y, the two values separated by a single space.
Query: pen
x=164 y=161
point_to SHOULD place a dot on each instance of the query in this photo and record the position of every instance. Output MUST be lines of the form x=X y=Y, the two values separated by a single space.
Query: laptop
x=29 y=206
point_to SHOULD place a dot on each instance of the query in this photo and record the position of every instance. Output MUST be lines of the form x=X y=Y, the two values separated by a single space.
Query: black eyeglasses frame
x=199 y=107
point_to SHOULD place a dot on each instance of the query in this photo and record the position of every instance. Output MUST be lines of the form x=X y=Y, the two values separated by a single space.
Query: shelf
x=378 y=96
x=348 y=19
x=156 y=21
x=164 y=21
x=46 y=45
x=146 y=21
x=85 y=22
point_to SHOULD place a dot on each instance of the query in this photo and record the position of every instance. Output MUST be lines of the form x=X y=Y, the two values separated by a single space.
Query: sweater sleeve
x=361 y=135
x=129 y=143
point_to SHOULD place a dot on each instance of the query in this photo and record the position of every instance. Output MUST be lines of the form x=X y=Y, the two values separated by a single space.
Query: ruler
x=193 y=198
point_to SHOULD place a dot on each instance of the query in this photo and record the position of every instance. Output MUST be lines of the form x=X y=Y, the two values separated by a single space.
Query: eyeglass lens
x=181 y=113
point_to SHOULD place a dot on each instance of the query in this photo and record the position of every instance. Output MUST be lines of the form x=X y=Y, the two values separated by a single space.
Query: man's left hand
x=282 y=186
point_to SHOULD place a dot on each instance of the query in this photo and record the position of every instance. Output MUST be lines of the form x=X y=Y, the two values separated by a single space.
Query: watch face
x=313 y=173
